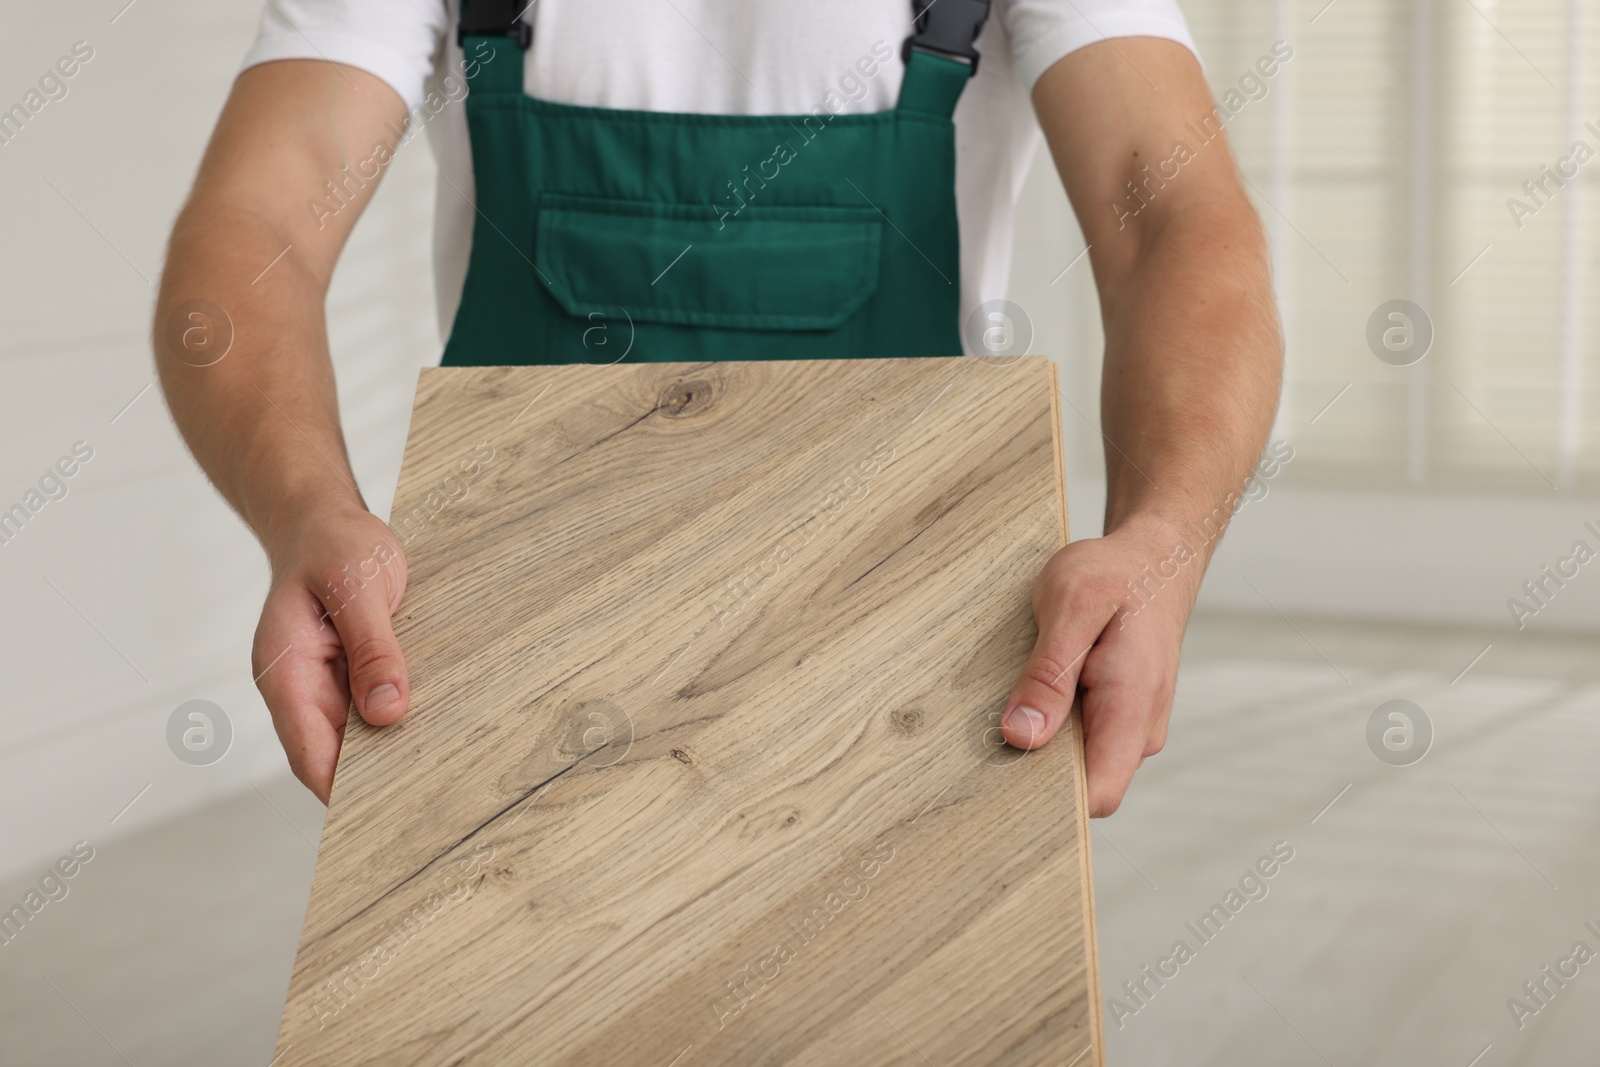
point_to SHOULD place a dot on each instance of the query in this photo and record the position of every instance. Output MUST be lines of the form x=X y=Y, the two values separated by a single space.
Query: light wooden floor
x=1413 y=908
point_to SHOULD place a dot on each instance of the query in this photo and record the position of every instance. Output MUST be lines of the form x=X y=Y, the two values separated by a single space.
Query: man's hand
x=1123 y=655
x=325 y=636
x=1192 y=366
x=262 y=417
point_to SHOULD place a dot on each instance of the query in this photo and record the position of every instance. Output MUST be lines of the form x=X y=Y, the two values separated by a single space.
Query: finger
x=1157 y=739
x=1042 y=697
x=300 y=679
x=377 y=670
x=311 y=741
x=1116 y=730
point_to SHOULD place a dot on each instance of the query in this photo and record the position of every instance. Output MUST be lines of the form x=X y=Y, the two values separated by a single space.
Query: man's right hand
x=242 y=349
x=325 y=635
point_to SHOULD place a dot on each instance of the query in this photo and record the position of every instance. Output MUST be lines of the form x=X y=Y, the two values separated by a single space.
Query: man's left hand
x=1122 y=649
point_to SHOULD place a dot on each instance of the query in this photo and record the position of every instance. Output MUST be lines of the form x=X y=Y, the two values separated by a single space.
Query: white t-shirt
x=736 y=57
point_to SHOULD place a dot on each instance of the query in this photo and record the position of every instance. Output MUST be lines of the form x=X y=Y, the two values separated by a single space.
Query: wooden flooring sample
x=702 y=765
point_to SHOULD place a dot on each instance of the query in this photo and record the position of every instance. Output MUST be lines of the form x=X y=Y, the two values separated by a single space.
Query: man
x=765 y=140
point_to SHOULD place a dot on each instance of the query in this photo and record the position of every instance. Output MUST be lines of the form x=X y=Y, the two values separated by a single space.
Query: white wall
x=168 y=582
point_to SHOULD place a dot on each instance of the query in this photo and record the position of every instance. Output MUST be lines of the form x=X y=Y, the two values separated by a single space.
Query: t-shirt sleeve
x=1042 y=31
x=396 y=40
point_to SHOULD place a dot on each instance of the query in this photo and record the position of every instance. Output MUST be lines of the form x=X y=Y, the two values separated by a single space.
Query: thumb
x=1042 y=697
x=379 y=684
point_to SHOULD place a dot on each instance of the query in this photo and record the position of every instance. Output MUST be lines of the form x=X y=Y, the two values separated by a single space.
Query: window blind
x=1442 y=152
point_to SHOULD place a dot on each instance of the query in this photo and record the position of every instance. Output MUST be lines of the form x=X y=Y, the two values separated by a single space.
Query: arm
x=263 y=420
x=1192 y=369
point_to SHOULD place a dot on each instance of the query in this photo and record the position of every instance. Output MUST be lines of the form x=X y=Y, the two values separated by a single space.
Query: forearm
x=1193 y=354
x=1191 y=376
x=263 y=420
x=258 y=241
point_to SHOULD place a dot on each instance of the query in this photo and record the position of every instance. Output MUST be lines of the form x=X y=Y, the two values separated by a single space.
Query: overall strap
x=493 y=36
x=941 y=53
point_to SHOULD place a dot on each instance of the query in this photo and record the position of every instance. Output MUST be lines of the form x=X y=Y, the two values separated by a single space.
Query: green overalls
x=605 y=234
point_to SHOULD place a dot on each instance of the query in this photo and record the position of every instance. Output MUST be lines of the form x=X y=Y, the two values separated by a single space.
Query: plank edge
x=1090 y=936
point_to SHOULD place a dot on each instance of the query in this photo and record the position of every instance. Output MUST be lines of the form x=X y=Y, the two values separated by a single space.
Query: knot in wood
x=906 y=721
x=687 y=398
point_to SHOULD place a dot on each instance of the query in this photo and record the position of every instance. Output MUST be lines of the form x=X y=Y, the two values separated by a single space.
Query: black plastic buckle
x=948 y=28
x=495 y=18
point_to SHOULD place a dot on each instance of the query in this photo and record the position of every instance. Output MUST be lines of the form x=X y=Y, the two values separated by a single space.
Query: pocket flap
x=768 y=268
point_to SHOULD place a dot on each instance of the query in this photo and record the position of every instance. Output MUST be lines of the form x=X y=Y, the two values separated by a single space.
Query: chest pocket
x=773 y=267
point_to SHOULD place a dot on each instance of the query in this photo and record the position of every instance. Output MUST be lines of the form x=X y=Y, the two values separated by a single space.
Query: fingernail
x=381 y=695
x=1026 y=722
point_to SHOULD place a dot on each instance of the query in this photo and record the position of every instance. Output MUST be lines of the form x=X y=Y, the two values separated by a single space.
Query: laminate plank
x=701 y=764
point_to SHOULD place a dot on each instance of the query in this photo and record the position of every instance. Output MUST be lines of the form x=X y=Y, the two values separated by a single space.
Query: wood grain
x=701 y=766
